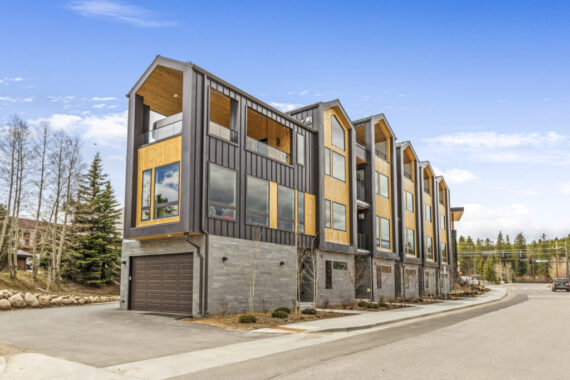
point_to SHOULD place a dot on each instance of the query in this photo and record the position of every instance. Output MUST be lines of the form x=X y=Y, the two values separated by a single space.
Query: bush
x=372 y=306
x=279 y=314
x=363 y=304
x=284 y=308
x=309 y=311
x=247 y=318
x=382 y=304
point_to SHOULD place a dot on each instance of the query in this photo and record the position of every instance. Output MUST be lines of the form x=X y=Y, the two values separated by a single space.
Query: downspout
x=197 y=247
x=204 y=207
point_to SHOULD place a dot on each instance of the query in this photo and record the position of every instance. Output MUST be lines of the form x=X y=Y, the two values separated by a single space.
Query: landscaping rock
x=67 y=301
x=43 y=300
x=31 y=300
x=57 y=301
x=5 y=304
x=81 y=301
x=104 y=299
x=17 y=301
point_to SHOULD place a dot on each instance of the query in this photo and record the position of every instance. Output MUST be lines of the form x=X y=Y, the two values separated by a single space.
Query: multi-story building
x=231 y=203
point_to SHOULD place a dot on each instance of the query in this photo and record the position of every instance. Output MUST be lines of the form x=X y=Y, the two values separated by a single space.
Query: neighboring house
x=218 y=180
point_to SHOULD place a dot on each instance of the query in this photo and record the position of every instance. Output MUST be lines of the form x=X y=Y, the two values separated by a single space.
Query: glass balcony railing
x=266 y=150
x=381 y=154
x=164 y=132
x=408 y=175
x=222 y=132
x=362 y=241
x=360 y=191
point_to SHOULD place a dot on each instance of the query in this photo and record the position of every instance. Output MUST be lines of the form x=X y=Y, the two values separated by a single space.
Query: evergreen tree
x=520 y=248
x=489 y=272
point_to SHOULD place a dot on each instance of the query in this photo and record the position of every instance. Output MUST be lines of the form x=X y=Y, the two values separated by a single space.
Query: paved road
x=524 y=336
x=102 y=335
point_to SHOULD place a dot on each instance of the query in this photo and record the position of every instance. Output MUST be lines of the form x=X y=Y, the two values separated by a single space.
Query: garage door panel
x=162 y=283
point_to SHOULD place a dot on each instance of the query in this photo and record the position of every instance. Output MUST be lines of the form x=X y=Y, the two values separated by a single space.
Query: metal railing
x=162 y=133
x=266 y=150
x=381 y=154
x=222 y=132
x=362 y=241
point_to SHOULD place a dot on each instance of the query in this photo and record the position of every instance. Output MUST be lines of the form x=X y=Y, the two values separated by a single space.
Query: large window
x=385 y=233
x=301 y=212
x=327 y=161
x=410 y=242
x=146 y=194
x=378 y=231
x=222 y=193
x=222 y=109
x=382 y=185
x=328 y=274
x=337 y=133
x=257 y=201
x=444 y=252
x=300 y=149
x=327 y=213
x=339 y=216
x=285 y=208
x=338 y=166
x=442 y=221
x=429 y=248
x=409 y=202
x=166 y=180
x=428 y=213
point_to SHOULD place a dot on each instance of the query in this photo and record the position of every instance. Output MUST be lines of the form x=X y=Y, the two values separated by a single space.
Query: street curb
x=364 y=327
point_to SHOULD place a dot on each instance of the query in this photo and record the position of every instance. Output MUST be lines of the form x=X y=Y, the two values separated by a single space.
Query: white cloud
x=7 y=80
x=285 y=107
x=61 y=99
x=454 y=176
x=304 y=92
x=120 y=12
x=497 y=140
x=564 y=188
x=103 y=99
x=9 y=99
x=480 y=221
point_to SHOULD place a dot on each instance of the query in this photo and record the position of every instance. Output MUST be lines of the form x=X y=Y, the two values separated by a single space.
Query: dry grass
x=264 y=320
x=390 y=306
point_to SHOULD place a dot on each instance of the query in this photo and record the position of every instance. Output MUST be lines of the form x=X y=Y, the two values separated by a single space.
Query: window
x=340 y=265
x=327 y=213
x=257 y=201
x=444 y=252
x=285 y=208
x=338 y=166
x=222 y=109
x=301 y=212
x=427 y=279
x=385 y=231
x=377 y=231
x=222 y=193
x=146 y=194
x=378 y=276
x=327 y=161
x=166 y=179
x=409 y=202
x=428 y=213
x=300 y=149
x=429 y=248
x=337 y=133
x=339 y=216
x=442 y=221
x=383 y=185
x=328 y=274
x=410 y=242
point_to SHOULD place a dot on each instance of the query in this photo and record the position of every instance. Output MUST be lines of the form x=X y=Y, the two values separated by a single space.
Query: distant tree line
x=43 y=177
x=512 y=261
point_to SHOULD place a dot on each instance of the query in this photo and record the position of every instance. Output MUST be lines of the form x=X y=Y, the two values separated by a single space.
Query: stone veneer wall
x=412 y=290
x=430 y=280
x=342 y=280
x=387 y=291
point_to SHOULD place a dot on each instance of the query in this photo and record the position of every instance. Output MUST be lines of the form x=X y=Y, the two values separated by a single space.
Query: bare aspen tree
x=306 y=270
x=253 y=271
x=7 y=169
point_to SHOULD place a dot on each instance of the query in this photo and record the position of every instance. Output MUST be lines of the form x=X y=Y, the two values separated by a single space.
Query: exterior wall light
x=224 y=259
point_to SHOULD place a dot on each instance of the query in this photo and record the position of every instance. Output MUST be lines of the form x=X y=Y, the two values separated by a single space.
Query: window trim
x=156 y=206
x=247 y=211
x=332 y=215
x=332 y=166
x=304 y=145
x=236 y=194
x=282 y=218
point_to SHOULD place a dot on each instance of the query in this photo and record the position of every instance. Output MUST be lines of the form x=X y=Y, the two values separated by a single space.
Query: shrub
x=284 y=308
x=363 y=304
x=279 y=314
x=247 y=318
x=310 y=311
x=372 y=306
x=382 y=304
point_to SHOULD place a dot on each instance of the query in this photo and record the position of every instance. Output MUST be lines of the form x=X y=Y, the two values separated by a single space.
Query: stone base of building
x=430 y=281
x=445 y=282
x=335 y=278
x=383 y=277
x=411 y=282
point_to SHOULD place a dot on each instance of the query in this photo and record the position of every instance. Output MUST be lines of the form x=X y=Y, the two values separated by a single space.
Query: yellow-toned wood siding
x=384 y=205
x=428 y=200
x=443 y=229
x=150 y=157
x=260 y=128
x=336 y=190
x=310 y=215
x=272 y=204
x=386 y=132
x=410 y=217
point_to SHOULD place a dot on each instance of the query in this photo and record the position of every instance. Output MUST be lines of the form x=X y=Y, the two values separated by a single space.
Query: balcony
x=266 y=150
x=163 y=132
x=362 y=242
x=361 y=154
x=361 y=191
x=408 y=175
x=381 y=154
x=222 y=132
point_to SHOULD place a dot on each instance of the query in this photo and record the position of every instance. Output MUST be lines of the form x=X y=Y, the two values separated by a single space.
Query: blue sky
x=480 y=88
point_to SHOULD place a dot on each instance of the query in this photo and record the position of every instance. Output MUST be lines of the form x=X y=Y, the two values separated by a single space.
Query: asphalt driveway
x=101 y=335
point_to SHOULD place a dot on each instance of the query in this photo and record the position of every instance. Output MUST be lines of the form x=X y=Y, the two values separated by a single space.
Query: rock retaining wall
x=17 y=300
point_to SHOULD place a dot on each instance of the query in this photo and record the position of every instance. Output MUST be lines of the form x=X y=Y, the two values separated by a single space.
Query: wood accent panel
x=220 y=108
x=335 y=190
x=162 y=91
x=310 y=215
x=429 y=226
x=410 y=217
x=262 y=128
x=152 y=156
x=410 y=158
x=272 y=205
x=382 y=130
x=443 y=231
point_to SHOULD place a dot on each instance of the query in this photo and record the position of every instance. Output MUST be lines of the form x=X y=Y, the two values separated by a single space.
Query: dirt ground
x=264 y=320
x=355 y=307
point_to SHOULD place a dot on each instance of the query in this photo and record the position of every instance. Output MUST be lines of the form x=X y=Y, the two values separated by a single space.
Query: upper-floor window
x=166 y=180
x=337 y=133
x=222 y=192
x=444 y=252
x=442 y=221
x=327 y=213
x=410 y=242
x=285 y=208
x=382 y=185
x=146 y=193
x=222 y=109
x=429 y=247
x=428 y=213
x=257 y=201
x=409 y=202
x=441 y=196
x=385 y=233
x=339 y=216
x=300 y=149
x=301 y=212
x=327 y=161
x=338 y=166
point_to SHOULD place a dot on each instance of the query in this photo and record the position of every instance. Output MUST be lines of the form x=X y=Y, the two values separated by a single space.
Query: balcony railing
x=360 y=191
x=408 y=175
x=362 y=241
x=266 y=150
x=157 y=134
x=381 y=154
x=223 y=132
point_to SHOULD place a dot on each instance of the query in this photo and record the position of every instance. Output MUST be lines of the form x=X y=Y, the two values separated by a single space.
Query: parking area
x=102 y=335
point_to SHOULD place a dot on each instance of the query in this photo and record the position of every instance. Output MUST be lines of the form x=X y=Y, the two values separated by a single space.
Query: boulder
x=104 y=299
x=96 y=299
x=81 y=301
x=17 y=301
x=5 y=304
x=67 y=301
x=56 y=301
x=43 y=300
x=31 y=300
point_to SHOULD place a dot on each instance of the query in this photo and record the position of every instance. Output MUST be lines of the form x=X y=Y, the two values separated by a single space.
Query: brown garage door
x=162 y=283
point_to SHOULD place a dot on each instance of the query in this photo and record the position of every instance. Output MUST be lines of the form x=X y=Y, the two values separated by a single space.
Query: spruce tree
x=519 y=245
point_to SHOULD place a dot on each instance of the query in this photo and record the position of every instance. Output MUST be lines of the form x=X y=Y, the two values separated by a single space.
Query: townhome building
x=231 y=204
